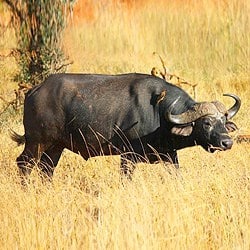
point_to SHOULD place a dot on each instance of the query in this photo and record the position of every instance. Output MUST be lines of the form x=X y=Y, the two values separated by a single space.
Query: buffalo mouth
x=224 y=144
x=211 y=149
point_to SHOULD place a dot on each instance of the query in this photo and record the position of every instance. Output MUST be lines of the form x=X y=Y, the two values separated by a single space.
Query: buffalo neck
x=180 y=142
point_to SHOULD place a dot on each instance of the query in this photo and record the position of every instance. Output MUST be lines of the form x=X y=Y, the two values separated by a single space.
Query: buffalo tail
x=19 y=139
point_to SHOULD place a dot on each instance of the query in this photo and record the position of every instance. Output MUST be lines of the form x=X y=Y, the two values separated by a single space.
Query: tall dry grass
x=205 y=205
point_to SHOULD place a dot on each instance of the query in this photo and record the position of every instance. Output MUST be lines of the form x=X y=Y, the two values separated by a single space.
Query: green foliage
x=38 y=27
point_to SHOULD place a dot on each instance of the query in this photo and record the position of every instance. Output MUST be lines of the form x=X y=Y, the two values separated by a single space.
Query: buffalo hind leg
x=27 y=160
x=49 y=161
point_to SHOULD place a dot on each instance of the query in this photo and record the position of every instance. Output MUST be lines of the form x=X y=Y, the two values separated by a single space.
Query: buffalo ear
x=183 y=130
x=230 y=126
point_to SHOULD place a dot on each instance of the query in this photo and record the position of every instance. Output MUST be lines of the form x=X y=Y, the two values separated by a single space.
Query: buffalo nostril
x=227 y=143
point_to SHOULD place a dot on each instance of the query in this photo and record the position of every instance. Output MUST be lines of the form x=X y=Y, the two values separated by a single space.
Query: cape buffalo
x=139 y=116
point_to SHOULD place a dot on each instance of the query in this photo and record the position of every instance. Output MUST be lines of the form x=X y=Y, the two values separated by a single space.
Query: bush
x=38 y=27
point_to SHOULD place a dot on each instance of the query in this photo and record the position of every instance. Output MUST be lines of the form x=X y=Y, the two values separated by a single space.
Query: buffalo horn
x=188 y=116
x=203 y=109
x=235 y=108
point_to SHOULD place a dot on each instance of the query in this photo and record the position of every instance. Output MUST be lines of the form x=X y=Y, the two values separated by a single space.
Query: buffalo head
x=207 y=123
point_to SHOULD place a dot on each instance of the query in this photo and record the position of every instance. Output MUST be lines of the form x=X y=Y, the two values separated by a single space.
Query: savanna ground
x=206 y=205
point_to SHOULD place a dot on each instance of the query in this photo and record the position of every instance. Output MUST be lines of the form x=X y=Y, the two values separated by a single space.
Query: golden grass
x=206 y=205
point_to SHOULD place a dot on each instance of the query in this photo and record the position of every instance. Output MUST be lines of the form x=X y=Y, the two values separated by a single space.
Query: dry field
x=205 y=205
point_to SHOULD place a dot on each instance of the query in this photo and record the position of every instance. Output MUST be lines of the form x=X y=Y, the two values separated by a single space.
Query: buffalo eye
x=207 y=123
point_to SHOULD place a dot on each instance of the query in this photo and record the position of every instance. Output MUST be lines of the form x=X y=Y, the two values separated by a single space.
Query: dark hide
x=105 y=115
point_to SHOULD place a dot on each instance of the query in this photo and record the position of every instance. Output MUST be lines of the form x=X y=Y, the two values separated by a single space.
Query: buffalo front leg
x=128 y=161
x=172 y=158
x=168 y=157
